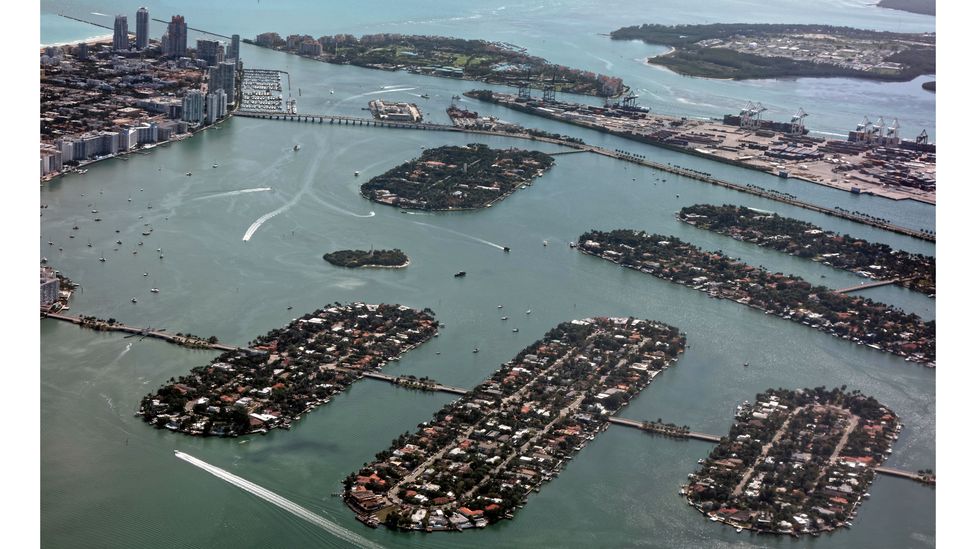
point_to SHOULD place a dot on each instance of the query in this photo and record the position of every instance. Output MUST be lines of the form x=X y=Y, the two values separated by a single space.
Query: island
x=388 y=259
x=799 y=238
x=923 y=7
x=287 y=372
x=795 y=462
x=478 y=459
x=851 y=317
x=457 y=178
x=750 y=50
x=491 y=62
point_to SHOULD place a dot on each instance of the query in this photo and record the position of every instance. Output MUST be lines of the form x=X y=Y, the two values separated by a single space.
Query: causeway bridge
x=342 y=120
x=104 y=326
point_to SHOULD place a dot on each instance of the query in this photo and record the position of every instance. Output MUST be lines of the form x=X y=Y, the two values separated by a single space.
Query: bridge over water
x=334 y=119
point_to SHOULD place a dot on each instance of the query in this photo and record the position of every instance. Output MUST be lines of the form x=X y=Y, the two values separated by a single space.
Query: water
x=571 y=32
x=108 y=480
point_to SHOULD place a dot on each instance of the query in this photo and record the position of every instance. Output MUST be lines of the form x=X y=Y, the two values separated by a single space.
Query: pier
x=423 y=384
x=663 y=429
x=103 y=326
x=580 y=147
x=865 y=286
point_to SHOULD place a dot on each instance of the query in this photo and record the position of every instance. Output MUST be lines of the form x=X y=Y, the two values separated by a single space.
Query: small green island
x=743 y=51
x=457 y=178
x=444 y=56
x=382 y=259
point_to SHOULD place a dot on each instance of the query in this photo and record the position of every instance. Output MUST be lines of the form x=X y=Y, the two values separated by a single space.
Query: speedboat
x=356 y=174
x=133 y=300
x=528 y=312
x=188 y=174
x=154 y=290
x=215 y=165
x=504 y=318
x=514 y=330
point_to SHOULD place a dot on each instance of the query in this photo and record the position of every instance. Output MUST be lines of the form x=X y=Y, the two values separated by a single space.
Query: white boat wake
x=452 y=231
x=391 y=90
x=342 y=210
x=234 y=193
x=267 y=495
x=313 y=169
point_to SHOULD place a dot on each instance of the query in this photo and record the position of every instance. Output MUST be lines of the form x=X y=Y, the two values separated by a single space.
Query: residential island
x=288 y=372
x=457 y=178
x=795 y=462
x=795 y=237
x=855 y=318
x=491 y=62
x=479 y=457
x=389 y=259
x=873 y=159
x=749 y=50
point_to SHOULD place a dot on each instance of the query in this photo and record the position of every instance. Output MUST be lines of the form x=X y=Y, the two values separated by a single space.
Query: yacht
x=499 y=306
x=545 y=242
x=528 y=312
x=514 y=330
x=424 y=96
x=154 y=290
x=356 y=174
x=475 y=350
x=145 y=274
x=297 y=147
x=459 y=274
x=215 y=165
x=133 y=300
x=504 y=318
x=188 y=174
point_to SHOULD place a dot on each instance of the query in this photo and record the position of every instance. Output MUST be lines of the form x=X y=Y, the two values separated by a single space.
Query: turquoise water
x=570 y=32
x=108 y=480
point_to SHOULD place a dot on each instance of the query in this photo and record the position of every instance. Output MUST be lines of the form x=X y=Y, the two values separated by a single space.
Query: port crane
x=751 y=115
x=796 y=123
x=891 y=137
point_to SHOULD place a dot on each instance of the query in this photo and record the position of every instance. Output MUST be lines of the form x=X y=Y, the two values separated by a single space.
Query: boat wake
x=128 y=347
x=342 y=210
x=233 y=193
x=468 y=236
x=391 y=90
x=313 y=169
x=267 y=495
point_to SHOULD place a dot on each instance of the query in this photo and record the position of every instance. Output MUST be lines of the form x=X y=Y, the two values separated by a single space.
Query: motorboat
x=459 y=274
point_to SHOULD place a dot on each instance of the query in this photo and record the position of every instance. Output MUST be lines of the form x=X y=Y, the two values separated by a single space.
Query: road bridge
x=186 y=341
x=866 y=285
x=582 y=147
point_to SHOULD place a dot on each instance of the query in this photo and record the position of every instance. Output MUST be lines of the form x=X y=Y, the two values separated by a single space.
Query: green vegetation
x=802 y=239
x=457 y=178
x=492 y=62
x=744 y=51
x=370 y=258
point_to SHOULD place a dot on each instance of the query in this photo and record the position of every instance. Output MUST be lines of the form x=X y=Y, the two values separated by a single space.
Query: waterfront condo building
x=175 y=43
x=142 y=29
x=120 y=38
x=193 y=105
x=50 y=287
x=224 y=77
x=216 y=106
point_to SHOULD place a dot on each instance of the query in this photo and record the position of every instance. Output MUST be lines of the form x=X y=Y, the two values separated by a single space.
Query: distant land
x=743 y=51
x=391 y=259
x=924 y=7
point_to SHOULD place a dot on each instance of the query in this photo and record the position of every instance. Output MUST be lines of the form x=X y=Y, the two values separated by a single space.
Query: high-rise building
x=224 y=77
x=193 y=107
x=210 y=51
x=216 y=106
x=82 y=51
x=142 y=29
x=50 y=287
x=176 y=44
x=120 y=38
x=234 y=51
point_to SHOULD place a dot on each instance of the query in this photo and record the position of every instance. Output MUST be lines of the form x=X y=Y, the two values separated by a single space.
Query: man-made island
x=795 y=462
x=479 y=458
x=288 y=372
x=874 y=159
x=491 y=62
x=744 y=51
x=850 y=317
x=389 y=259
x=457 y=178
x=802 y=239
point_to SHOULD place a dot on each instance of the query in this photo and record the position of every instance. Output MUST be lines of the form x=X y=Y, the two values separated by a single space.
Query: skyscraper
x=193 y=106
x=216 y=106
x=142 y=29
x=177 y=37
x=234 y=51
x=120 y=38
x=224 y=77
x=210 y=51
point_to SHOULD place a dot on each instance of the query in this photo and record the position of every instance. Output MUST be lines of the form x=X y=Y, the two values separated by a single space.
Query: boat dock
x=866 y=285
